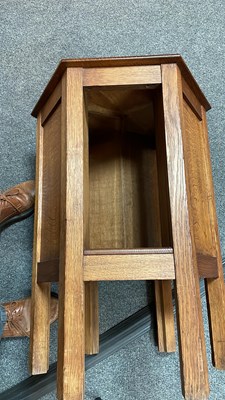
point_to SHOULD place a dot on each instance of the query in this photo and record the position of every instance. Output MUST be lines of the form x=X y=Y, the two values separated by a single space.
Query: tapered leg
x=194 y=371
x=71 y=340
x=39 y=336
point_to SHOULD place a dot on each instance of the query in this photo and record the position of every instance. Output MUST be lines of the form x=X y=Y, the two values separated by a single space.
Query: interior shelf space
x=124 y=199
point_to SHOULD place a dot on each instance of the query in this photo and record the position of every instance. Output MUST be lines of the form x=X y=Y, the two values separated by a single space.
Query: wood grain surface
x=163 y=290
x=120 y=62
x=116 y=76
x=130 y=160
x=40 y=299
x=214 y=287
x=165 y=316
x=193 y=362
x=71 y=340
x=51 y=103
x=128 y=267
x=91 y=288
x=197 y=181
x=123 y=171
x=50 y=226
x=191 y=99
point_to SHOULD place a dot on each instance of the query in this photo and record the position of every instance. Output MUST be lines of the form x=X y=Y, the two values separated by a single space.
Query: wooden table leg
x=91 y=288
x=91 y=318
x=214 y=287
x=194 y=371
x=39 y=337
x=165 y=316
x=71 y=340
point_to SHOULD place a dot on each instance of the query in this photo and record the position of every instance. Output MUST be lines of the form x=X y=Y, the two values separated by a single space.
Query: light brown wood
x=214 y=287
x=162 y=171
x=207 y=266
x=106 y=219
x=91 y=318
x=199 y=193
x=48 y=271
x=51 y=103
x=194 y=372
x=86 y=183
x=128 y=267
x=191 y=100
x=165 y=316
x=203 y=212
x=40 y=299
x=91 y=288
x=116 y=154
x=71 y=341
x=140 y=205
x=120 y=62
x=142 y=75
x=163 y=290
x=122 y=165
x=50 y=227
